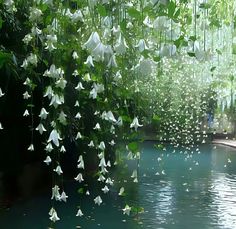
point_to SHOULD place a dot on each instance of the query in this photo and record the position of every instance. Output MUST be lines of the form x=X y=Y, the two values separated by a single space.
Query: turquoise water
x=197 y=192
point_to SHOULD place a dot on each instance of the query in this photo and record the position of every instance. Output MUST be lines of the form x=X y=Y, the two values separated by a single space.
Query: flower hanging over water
x=135 y=124
x=98 y=200
x=79 y=213
x=126 y=210
x=54 y=137
x=58 y=170
x=48 y=160
x=53 y=215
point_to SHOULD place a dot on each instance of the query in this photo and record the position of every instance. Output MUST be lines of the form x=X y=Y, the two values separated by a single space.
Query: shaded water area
x=197 y=191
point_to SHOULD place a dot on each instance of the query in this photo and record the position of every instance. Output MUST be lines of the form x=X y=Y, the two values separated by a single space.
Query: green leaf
x=192 y=54
x=133 y=146
x=80 y=190
x=1 y=22
x=156 y=118
x=205 y=6
x=171 y=9
x=102 y=10
x=212 y=69
x=134 y=13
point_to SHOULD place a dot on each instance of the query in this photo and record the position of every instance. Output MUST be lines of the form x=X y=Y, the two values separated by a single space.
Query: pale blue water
x=203 y=197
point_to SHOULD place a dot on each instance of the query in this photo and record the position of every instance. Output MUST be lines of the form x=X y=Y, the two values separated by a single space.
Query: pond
x=176 y=189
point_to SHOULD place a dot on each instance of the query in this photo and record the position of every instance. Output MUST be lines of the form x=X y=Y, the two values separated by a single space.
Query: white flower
x=43 y=113
x=112 y=62
x=78 y=136
x=26 y=113
x=87 y=77
x=98 y=52
x=56 y=100
x=126 y=210
x=91 y=144
x=1 y=127
x=79 y=213
x=51 y=41
x=76 y=103
x=147 y=22
x=49 y=147
x=78 y=116
x=35 y=14
x=119 y=121
x=49 y=92
x=110 y=117
x=54 y=137
x=27 y=39
x=36 y=31
x=109 y=181
x=63 y=196
x=102 y=146
x=54 y=72
x=101 y=178
x=48 y=160
x=75 y=55
x=97 y=127
x=61 y=83
x=98 y=200
x=81 y=162
x=77 y=16
x=62 y=118
x=75 y=73
x=112 y=142
x=40 y=128
x=26 y=95
x=31 y=147
x=79 y=178
x=102 y=163
x=93 y=41
x=121 y=46
x=55 y=193
x=1 y=93
x=135 y=124
x=105 y=189
x=58 y=170
x=142 y=45
x=63 y=150
x=89 y=61
x=79 y=87
x=121 y=192
x=32 y=59
x=54 y=216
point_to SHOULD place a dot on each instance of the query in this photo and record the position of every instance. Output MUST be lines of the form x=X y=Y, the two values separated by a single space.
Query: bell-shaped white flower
x=98 y=52
x=120 y=46
x=75 y=55
x=112 y=62
x=142 y=45
x=77 y=16
x=26 y=95
x=147 y=21
x=78 y=136
x=54 y=216
x=93 y=41
x=89 y=61
x=54 y=137
x=1 y=93
x=105 y=189
x=121 y=192
x=126 y=210
x=40 y=128
x=62 y=118
x=58 y=170
x=102 y=163
x=79 y=87
x=49 y=92
x=91 y=144
x=31 y=147
x=87 y=77
x=61 y=83
x=63 y=196
x=62 y=150
x=102 y=146
x=26 y=113
x=79 y=213
x=135 y=124
x=98 y=200
x=55 y=193
x=51 y=41
x=110 y=117
x=97 y=127
x=54 y=72
x=109 y=181
x=81 y=162
x=101 y=178
x=49 y=147
x=79 y=178
x=48 y=160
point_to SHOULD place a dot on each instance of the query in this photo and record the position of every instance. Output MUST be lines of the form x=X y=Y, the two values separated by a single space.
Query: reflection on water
x=177 y=190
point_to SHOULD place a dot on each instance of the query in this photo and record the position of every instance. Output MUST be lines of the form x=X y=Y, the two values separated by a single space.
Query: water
x=197 y=192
